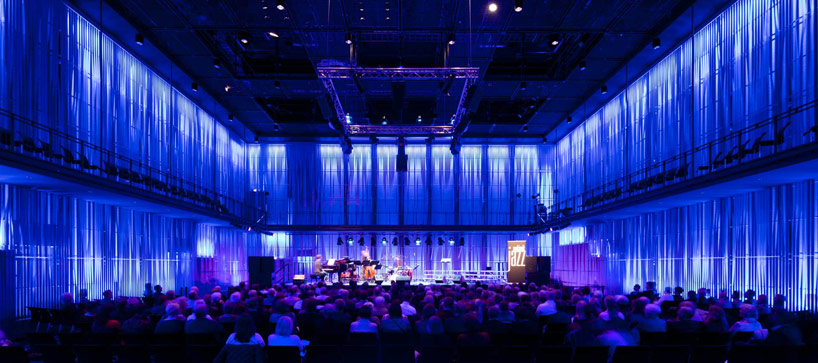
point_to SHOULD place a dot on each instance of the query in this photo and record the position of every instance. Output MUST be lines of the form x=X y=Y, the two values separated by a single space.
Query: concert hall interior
x=491 y=163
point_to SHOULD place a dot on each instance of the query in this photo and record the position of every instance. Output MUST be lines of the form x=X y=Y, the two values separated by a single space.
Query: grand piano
x=337 y=267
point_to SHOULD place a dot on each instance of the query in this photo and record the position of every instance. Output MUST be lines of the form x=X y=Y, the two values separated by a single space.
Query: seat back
x=92 y=353
x=397 y=353
x=708 y=353
x=396 y=338
x=55 y=353
x=359 y=353
x=13 y=354
x=639 y=353
x=203 y=353
x=317 y=353
x=436 y=354
x=131 y=353
x=283 y=354
x=203 y=339
x=475 y=354
x=671 y=353
x=554 y=353
x=652 y=338
x=170 y=353
x=591 y=354
x=41 y=338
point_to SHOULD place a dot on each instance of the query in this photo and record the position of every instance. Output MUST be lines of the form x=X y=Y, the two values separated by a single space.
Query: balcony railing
x=765 y=138
x=29 y=138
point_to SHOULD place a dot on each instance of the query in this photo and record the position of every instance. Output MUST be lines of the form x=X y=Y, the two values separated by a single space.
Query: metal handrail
x=680 y=164
x=172 y=186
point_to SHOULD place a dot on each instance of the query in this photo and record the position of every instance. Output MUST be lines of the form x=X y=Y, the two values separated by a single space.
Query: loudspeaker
x=298 y=279
x=260 y=270
x=530 y=264
x=544 y=264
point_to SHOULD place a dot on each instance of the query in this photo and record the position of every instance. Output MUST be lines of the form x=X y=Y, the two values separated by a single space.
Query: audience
x=394 y=321
x=202 y=323
x=283 y=336
x=749 y=319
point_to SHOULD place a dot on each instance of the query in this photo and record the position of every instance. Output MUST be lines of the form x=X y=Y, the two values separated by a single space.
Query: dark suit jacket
x=170 y=327
x=203 y=326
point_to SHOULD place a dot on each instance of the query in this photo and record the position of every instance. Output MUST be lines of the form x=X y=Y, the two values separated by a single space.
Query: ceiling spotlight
x=139 y=39
x=272 y=34
x=249 y=228
x=657 y=43
x=280 y=4
x=420 y=119
x=428 y=241
x=244 y=38
x=440 y=241
x=568 y=119
x=361 y=241
x=523 y=86
x=450 y=38
x=451 y=241
x=406 y=241
x=277 y=84
x=348 y=38
x=417 y=241
x=555 y=39
x=525 y=128
x=518 y=6
x=604 y=89
x=230 y=118
x=492 y=7
x=217 y=63
x=194 y=86
x=383 y=241
x=348 y=118
x=583 y=65
x=340 y=241
x=350 y=241
x=395 y=241
x=276 y=128
x=383 y=121
x=227 y=88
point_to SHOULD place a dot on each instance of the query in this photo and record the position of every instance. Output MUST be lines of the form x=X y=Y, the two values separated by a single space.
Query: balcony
x=763 y=146
x=26 y=144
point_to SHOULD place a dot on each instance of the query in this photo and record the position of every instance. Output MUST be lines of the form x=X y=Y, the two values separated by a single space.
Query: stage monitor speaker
x=298 y=279
x=530 y=264
x=260 y=270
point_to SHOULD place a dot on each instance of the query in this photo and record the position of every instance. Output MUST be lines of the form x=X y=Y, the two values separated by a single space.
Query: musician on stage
x=318 y=270
x=369 y=270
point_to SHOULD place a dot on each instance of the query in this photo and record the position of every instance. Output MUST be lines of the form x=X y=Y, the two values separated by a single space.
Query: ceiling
x=529 y=60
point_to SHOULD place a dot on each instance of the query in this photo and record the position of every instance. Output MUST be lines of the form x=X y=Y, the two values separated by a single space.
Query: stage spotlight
x=523 y=86
x=583 y=65
x=272 y=34
x=451 y=241
x=462 y=241
x=405 y=241
x=384 y=241
x=395 y=241
x=568 y=119
x=417 y=241
x=518 y=6
x=350 y=241
x=217 y=63
x=492 y=7
x=361 y=241
x=230 y=118
x=604 y=89
x=194 y=86
x=657 y=43
x=373 y=241
x=280 y=4
x=555 y=39
x=348 y=38
x=440 y=241
x=244 y=37
x=139 y=39
x=451 y=38
x=428 y=241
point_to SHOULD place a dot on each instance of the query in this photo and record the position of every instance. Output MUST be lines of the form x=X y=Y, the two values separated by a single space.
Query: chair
x=708 y=353
x=102 y=338
x=40 y=338
x=91 y=353
x=671 y=353
x=747 y=354
x=283 y=354
x=475 y=354
x=652 y=338
x=779 y=137
x=323 y=353
x=359 y=353
x=170 y=353
x=30 y=146
x=553 y=338
x=131 y=353
x=55 y=353
x=713 y=338
x=397 y=353
x=591 y=354
x=132 y=339
x=13 y=354
x=329 y=339
x=436 y=354
x=555 y=353
x=682 y=338
x=169 y=339
x=363 y=339
x=203 y=353
x=517 y=353
x=71 y=338
x=48 y=152
x=396 y=338
x=203 y=339
x=631 y=354
x=229 y=328
x=808 y=353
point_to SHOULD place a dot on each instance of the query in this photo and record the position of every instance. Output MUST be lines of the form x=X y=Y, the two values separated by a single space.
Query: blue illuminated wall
x=752 y=62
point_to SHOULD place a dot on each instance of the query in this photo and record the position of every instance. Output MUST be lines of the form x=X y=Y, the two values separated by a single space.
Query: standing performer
x=369 y=270
x=318 y=269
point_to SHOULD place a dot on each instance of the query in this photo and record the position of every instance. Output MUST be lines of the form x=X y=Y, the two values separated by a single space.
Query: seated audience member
x=780 y=315
x=427 y=312
x=283 y=336
x=636 y=289
x=4 y=341
x=505 y=315
x=201 y=322
x=526 y=323
x=173 y=322
x=280 y=309
x=560 y=317
x=763 y=306
x=723 y=301
x=137 y=324
x=667 y=295
x=103 y=323
x=494 y=325
x=589 y=327
x=245 y=333
x=473 y=337
x=395 y=322
x=716 y=321
x=406 y=306
x=230 y=313
x=69 y=312
x=549 y=306
x=611 y=308
x=750 y=297
x=380 y=309
x=107 y=298
x=638 y=310
x=651 y=323
x=683 y=322
x=157 y=292
x=364 y=324
x=457 y=323
x=677 y=294
x=735 y=300
x=749 y=320
x=434 y=327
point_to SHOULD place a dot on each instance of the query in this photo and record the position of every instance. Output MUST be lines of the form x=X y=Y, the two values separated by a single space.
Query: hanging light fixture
x=518 y=6
x=280 y=4
x=139 y=38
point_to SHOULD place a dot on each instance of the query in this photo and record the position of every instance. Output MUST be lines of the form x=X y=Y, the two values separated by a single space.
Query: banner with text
x=516 y=261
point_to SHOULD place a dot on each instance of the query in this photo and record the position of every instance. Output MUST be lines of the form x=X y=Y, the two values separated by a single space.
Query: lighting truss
x=327 y=74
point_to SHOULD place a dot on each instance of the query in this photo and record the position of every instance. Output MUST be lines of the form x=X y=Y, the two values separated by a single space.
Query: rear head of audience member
x=284 y=327
x=652 y=311
x=365 y=312
x=716 y=314
x=684 y=313
x=434 y=325
x=200 y=309
x=395 y=311
x=172 y=310
x=471 y=323
x=638 y=305
x=245 y=329
x=748 y=312
x=67 y=299
x=779 y=300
